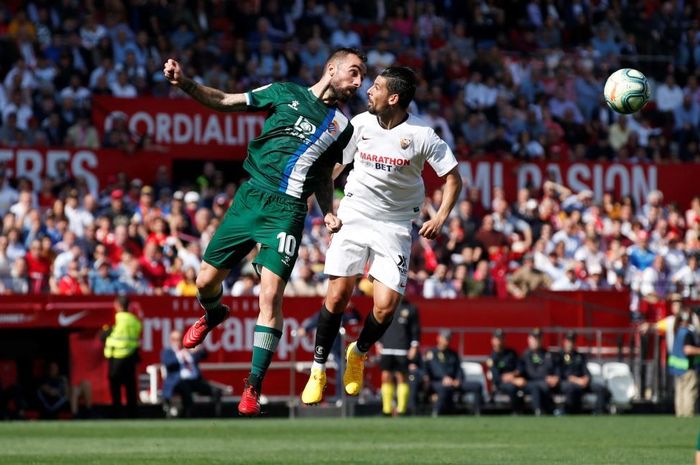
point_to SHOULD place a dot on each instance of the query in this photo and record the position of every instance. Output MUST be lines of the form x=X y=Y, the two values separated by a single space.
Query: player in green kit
x=301 y=142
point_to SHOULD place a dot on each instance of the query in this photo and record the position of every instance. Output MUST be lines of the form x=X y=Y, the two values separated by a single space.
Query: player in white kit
x=383 y=194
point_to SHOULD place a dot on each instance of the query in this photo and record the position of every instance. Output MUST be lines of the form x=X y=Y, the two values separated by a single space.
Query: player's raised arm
x=208 y=96
x=452 y=187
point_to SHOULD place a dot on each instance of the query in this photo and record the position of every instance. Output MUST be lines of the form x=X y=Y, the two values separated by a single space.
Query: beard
x=340 y=94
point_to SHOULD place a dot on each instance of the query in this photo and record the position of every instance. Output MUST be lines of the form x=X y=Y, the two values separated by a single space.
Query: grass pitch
x=653 y=440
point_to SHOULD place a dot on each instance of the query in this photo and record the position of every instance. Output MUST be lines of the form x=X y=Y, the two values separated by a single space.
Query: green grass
x=653 y=440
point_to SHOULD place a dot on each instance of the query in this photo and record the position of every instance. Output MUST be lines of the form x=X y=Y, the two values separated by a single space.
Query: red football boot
x=197 y=332
x=250 y=401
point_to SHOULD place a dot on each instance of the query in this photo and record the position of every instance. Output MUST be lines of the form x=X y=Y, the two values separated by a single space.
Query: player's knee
x=270 y=299
x=383 y=313
x=337 y=298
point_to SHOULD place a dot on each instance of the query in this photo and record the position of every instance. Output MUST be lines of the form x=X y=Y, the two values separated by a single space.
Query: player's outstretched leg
x=268 y=332
x=377 y=322
x=330 y=318
x=209 y=293
x=326 y=331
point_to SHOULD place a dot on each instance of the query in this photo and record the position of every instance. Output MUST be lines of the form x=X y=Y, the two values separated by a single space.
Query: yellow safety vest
x=125 y=336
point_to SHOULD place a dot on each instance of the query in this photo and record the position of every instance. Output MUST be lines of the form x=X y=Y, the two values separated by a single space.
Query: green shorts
x=275 y=221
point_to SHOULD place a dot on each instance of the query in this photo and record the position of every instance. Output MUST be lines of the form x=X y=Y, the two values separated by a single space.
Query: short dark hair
x=402 y=81
x=123 y=301
x=342 y=52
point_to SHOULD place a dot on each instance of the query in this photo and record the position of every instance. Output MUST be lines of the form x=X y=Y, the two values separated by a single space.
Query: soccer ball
x=627 y=91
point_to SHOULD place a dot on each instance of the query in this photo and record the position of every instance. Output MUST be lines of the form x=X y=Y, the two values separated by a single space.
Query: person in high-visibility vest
x=682 y=365
x=121 y=351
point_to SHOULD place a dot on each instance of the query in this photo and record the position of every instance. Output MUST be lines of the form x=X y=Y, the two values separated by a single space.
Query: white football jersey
x=386 y=180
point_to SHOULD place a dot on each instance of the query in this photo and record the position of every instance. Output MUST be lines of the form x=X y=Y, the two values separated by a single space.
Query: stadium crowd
x=518 y=79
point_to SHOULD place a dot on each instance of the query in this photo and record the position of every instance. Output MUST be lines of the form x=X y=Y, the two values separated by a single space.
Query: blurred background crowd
x=512 y=79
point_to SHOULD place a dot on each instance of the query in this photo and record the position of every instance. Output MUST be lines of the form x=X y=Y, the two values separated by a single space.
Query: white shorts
x=383 y=245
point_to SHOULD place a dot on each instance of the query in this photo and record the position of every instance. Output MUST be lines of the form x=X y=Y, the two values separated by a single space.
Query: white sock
x=318 y=366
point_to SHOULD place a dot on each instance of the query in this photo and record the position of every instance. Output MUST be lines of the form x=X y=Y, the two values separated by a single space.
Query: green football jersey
x=301 y=141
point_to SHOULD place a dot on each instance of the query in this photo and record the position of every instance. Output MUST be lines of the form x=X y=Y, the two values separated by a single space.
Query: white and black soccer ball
x=627 y=91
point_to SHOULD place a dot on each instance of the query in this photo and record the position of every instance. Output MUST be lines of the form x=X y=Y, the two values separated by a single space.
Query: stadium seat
x=596 y=371
x=473 y=371
x=620 y=381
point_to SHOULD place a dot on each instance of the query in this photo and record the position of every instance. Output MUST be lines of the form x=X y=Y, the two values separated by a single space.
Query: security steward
x=682 y=362
x=121 y=351
x=505 y=374
x=399 y=350
x=576 y=379
x=539 y=369
x=443 y=369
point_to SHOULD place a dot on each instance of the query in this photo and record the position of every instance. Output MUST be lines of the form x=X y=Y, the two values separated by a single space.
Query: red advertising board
x=181 y=123
x=232 y=342
x=99 y=166
x=676 y=181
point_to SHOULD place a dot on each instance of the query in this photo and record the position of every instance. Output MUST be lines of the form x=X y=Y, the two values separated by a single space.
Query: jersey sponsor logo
x=294 y=105
x=405 y=142
x=304 y=126
x=384 y=160
x=303 y=129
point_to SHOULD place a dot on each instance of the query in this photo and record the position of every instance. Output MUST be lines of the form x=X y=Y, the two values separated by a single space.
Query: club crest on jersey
x=333 y=128
x=294 y=105
x=405 y=142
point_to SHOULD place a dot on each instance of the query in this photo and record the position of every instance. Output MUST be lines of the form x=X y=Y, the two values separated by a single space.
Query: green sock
x=264 y=345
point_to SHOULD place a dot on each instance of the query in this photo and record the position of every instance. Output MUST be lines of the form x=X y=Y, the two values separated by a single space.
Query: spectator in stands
x=504 y=367
x=654 y=286
x=527 y=279
x=688 y=278
x=438 y=286
x=183 y=377
x=494 y=242
x=669 y=95
x=247 y=285
x=539 y=370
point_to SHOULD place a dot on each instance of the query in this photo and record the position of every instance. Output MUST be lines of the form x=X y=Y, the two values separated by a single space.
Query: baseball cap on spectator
x=178 y=195
x=675 y=297
x=536 y=332
x=147 y=190
x=570 y=335
x=192 y=197
x=498 y=334
x=136 y=182
x=642 y=235
x=446 y=333
x=117 y=194
x=531 y=204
